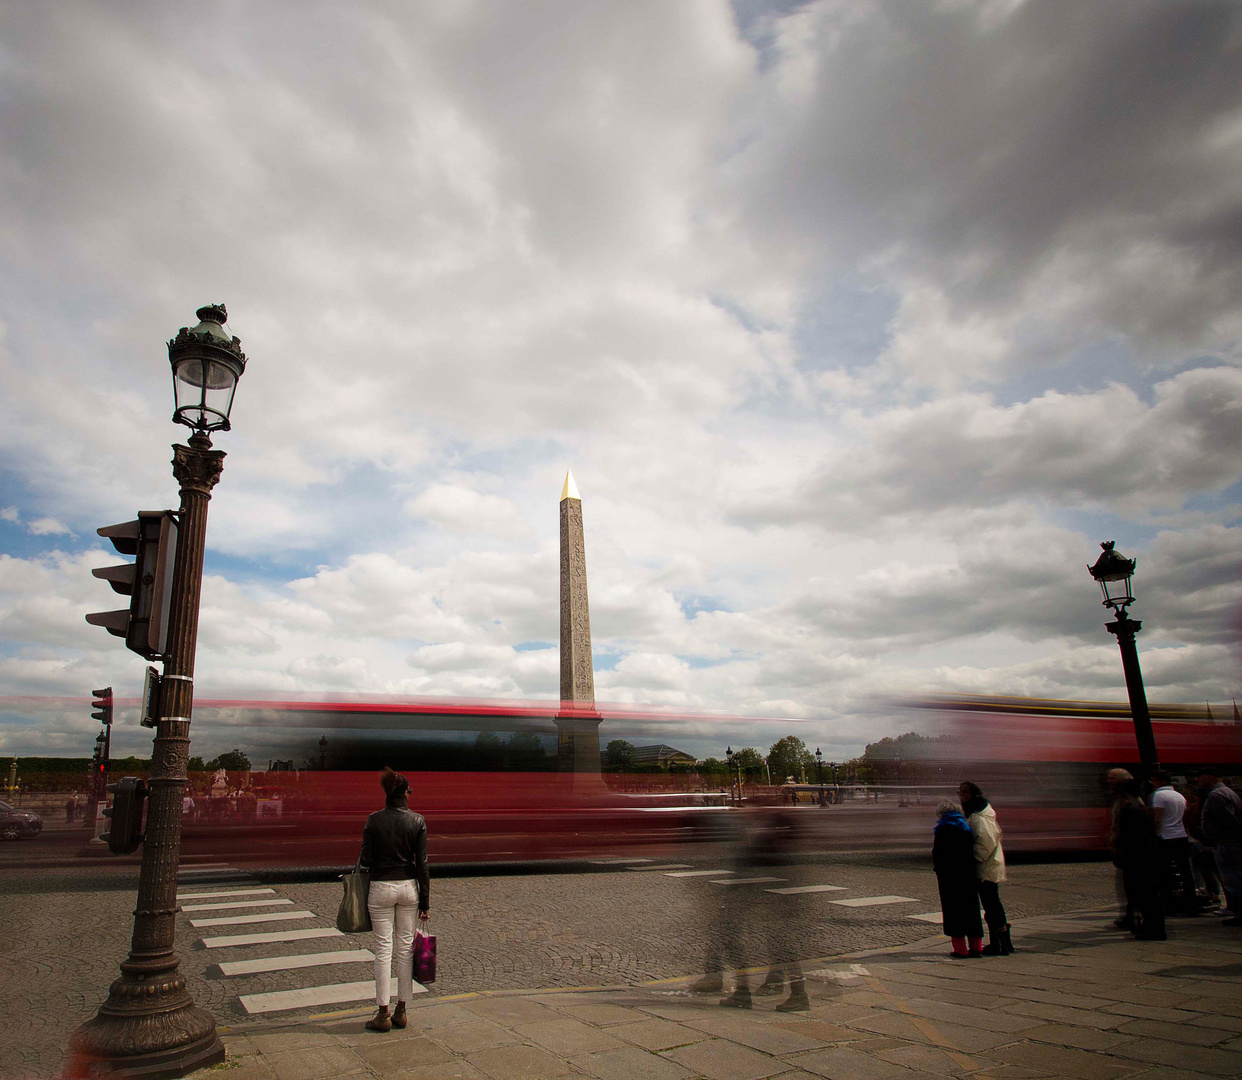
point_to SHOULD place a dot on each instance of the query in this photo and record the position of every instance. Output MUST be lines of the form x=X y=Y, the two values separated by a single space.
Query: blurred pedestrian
x=71 y=806
x=394 y=853
x=989 y=866
x=1177 y=880
x=1221 y=822
x=1207 y=878
x=187 y=806
x=723 y=914
x=1125 y=913
x=1138 y=855
x=780 y=918
x=953 y=859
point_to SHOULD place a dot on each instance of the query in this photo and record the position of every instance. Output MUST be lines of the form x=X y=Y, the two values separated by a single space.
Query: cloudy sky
x=859 y=323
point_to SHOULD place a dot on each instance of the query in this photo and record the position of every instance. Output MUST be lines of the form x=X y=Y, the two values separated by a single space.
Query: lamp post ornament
x=1112 y=572
x=149 y=1026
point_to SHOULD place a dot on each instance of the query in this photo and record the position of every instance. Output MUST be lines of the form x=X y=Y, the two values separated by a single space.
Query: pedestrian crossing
x=237 y=909
x=243 y=904
x=730 y=878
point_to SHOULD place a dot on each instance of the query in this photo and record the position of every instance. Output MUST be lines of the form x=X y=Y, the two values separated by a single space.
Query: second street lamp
x=150 y=1027
x=1112 y=572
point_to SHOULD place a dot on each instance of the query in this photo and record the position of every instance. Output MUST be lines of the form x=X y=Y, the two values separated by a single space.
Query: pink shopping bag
x=424 y=956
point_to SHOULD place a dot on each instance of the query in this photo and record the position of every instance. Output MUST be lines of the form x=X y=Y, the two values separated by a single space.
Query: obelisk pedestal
x=577 y=722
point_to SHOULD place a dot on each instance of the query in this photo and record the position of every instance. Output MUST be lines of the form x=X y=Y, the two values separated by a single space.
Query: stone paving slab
x=1071 y=1003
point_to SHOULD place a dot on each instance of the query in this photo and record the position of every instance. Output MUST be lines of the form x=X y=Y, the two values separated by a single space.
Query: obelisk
x=577 y=722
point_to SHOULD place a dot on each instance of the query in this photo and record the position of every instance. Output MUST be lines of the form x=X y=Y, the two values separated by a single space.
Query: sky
x=859 y=323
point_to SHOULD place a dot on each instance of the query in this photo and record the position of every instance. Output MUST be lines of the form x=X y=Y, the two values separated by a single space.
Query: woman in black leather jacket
x=394 y=852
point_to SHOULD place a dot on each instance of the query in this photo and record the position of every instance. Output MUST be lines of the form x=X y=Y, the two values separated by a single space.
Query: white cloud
x=47 y=526
x=468 y=246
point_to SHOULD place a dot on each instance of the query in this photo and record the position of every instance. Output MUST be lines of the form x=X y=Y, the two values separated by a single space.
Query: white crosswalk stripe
x=230 y=892
x=235 y=904
x=748 y=881
x=665 y=866
x=929 y=916
x=697 y=873
x=874 y=901
x=301 y=960
x=270 y=938
x=241 y=920
x=335 y=993
x=794 y=890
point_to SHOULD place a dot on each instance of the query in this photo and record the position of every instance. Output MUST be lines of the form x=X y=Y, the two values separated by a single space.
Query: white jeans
x=392 y=902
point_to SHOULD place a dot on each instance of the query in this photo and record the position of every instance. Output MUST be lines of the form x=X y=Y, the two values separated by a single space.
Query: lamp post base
x=144 y=1046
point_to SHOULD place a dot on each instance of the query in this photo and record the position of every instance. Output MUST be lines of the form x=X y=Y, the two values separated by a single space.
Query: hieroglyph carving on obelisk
x=577 y=673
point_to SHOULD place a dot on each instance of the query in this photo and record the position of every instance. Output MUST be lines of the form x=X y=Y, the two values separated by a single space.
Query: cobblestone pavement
x=1077 y=1000
x=66 y=932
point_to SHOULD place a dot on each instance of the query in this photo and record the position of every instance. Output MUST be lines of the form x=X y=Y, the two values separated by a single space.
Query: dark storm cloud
x=983 y=152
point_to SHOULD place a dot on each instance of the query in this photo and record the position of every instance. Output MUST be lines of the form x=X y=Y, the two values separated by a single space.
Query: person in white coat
x=989 y=866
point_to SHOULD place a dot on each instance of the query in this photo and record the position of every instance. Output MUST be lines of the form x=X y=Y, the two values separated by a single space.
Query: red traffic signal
x=101 y=703
x=152 y=539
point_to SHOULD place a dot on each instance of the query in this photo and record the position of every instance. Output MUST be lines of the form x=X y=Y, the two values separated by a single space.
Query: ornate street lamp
x=150 y=1027
x=819 y=764
x=1112 y=572
x=206 y=364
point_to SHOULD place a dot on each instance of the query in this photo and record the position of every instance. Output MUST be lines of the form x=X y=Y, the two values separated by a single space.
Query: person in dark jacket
x=394 y=853
x=953 y=859
x=1138 y=856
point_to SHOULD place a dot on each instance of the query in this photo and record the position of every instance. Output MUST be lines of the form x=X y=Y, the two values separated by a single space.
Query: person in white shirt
x=1168 y=808
x=187 y=807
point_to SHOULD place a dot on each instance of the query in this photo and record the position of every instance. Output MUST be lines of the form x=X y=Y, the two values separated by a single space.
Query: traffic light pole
x=150 y=1027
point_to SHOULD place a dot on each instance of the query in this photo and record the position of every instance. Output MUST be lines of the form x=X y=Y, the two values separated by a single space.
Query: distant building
x=661 y=757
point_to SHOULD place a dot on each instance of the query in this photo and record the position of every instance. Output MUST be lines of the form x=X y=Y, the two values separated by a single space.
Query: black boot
x=998 y=938
x=739 y=999
x=773 y=984
x=797 y=1000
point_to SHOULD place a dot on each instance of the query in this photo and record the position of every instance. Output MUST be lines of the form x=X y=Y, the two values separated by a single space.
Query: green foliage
x=909 y=745
x=233 y=761
x=712 y=767
x=196 y=764
x=750 y=762
x=619 y=756
x=525 y=751
x=788 y=757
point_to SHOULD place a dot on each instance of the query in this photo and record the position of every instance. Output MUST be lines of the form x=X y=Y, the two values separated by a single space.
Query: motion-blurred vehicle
x=486 y=799
x=1043 y=762
x=18 y=824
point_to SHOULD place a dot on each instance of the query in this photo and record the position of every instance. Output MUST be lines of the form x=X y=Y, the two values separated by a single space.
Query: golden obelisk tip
x=570 y=490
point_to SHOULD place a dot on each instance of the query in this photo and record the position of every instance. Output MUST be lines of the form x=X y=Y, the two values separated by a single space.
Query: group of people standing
x=1165 y=847
x=970 y=866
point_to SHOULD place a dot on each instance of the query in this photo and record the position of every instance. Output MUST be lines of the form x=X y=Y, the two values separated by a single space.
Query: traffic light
x=152 y=539
x=101 y=703
x=125 y=815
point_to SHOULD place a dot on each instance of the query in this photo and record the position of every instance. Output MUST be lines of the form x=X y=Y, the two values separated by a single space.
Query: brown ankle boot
x=380 y=1021
x=398 y=1016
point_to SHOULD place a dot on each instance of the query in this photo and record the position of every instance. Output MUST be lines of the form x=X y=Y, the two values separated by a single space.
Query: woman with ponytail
x=394 y=853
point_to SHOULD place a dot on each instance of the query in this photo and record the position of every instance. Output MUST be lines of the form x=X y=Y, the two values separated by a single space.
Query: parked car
x=16 y=824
